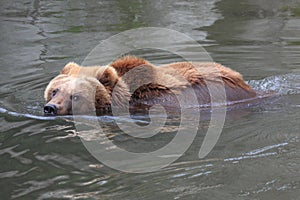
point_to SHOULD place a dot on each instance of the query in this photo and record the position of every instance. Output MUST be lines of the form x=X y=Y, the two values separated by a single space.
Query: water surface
x=257 y=154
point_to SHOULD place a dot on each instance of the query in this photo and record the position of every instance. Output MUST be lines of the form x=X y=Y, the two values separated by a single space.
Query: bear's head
x=82 y=90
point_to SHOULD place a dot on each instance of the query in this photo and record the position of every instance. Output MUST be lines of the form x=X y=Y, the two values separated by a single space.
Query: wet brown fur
x=157 y=84
x=198 y=76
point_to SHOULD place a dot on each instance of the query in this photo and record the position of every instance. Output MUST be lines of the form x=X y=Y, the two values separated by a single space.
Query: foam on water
x=282 y=84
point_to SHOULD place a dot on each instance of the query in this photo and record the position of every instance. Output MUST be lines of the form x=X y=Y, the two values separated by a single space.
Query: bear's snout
x=50 y=109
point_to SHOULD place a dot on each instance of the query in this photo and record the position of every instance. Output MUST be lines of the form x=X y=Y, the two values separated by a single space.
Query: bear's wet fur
x=137 y=82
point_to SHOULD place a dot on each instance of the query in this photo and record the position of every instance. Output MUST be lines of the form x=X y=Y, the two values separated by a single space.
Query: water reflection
x=256 y=155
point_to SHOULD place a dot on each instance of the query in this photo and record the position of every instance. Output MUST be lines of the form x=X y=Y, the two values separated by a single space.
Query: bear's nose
x=50 y=109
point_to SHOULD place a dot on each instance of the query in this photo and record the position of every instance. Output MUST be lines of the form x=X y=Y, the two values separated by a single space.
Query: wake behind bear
x=134 y=82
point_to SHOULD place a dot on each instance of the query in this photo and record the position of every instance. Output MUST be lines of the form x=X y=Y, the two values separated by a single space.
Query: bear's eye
x=75 y=97
x=54 y=92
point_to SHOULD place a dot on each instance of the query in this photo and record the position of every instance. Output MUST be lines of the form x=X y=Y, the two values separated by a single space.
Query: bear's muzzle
x=50 y=109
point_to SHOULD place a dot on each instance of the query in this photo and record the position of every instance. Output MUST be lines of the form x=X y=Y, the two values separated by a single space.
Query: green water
x=257 y=154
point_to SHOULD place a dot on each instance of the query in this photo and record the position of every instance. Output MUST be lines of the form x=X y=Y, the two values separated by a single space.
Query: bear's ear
x=71 y=67
x=108 y=77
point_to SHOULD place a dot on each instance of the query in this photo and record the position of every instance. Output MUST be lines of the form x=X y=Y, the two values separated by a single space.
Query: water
x=257 y=154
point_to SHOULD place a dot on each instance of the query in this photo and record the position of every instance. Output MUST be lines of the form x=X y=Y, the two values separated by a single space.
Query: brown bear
x=136 y=82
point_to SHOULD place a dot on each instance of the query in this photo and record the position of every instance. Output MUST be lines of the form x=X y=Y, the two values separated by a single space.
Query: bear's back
x=195 y=74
